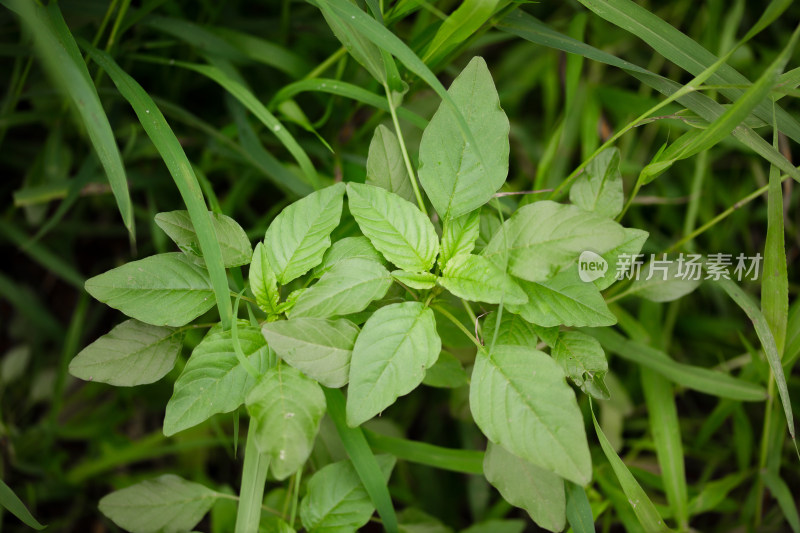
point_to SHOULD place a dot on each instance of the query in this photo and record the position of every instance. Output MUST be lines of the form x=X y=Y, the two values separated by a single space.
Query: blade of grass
x=455 y=460
x=692 y=377
x=458 y=27
x=163 y=138
x=25 y=303
x=780 y=490
x=579 y=512
x=251 y=491
x=14 y=505
x=645 y=510
x=363 y=460
x=266 y=52
x=36 y=251
x=63 y=61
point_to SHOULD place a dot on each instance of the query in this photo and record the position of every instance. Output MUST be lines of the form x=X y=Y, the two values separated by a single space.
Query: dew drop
x=282 y=455
x=277 y=128
x=288 y=415
x=147 y=111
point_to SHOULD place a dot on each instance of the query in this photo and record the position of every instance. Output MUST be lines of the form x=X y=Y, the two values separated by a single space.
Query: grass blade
x=14 y=505
x=363 y=460
x=251 y=491
x=764 y=333
x=63 y=61
x=49 y=260
x=466 y=461
x=458 y=27
x=157 y=128
x=579 y=512
x=692 y=377
x=780 y=490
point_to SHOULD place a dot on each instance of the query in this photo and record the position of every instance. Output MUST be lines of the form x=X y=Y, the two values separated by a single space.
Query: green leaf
x=450 y=168
x=462 y=23
x=666 y=283
x=645 y=510
x=599 y=188
x=63 y=62
x=583 y=361
x=513 y=331
x=298 y=237
x=348 y=287
x=524 y=485
x=263 y=282
x=416 y=280
x=447 y=373
x=167 y=504
x=764 y=333
x=287 y=408
x=163 y=290
x=233 y=241
x=775 y=283
x=390 y=356
x=545 y=237
x=496 y=526
x=521 y=401
x=319 y=347
x=12 y=503
x=475 y=278
x=396 y=227
x=213 y=380
x=385 y=167
x=563 y=300
x=336 y=500
x=348 y=248
x=133 y=353
x=630 y=247
x=693 y=377
x=579 y=511
x=360 y=47
x=459 y=236
x=453 y=459
x=781 y=492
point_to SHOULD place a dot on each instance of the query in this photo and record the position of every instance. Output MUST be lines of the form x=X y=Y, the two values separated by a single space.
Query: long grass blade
x=14 y=505
x=465 y=461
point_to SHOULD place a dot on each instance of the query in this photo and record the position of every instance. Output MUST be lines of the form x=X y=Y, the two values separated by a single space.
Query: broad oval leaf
x=584 y=362
x=521 y=401
x=348 y=287
x=319 y=347
x=263 y=282
x=563 y=300
x=538 y=491
x=390 y=356
x=233 y=242
x=513 y=330
x=336 y=500
x=396 y=227
x=385 y=166
x=133 y=353
x=615 y=258
x=545 y=237
x=286 y=408
x=163 y=290
x=298 y=237
x=416 y=280
x=347 y=248
x=459 y=236
x=447 y=373
x=166 y=504
x=213 y=381
x=475 y=278
x=599 y=188
x=450 y=169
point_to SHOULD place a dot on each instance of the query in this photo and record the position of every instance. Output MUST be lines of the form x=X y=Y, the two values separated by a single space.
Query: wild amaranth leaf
x=475 y=278
x=319 y=347
x=416 y=280
x=298 y=237
x=213 y=380
x=513 y=331
x=446 y=373
x=450 y=169
x=599 y=188
x=162 y=290
x=385 y=166
x=583 y=361
x=347 y=248
x=459 y=236
x=630 y=247
x=395 y=347
x=263 y=281
x=286 y=408
x=233 y=241
x=396 y=227
x=133 y=353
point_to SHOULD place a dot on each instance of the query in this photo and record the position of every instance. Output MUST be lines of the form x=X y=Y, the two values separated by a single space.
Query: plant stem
x=251 y=493
x=406 y=159
x=322 y=67
x=296 y=496
x=460 y=326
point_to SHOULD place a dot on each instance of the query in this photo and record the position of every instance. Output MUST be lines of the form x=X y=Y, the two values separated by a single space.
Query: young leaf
x=416 y=280
x=348 y=248
x=163 y=290
x=385 y=167
x=233 y=241
x=167 y=504
x=459 y=236
x=263 y=282
x=319 y=347
x=348 y=287
x=583 y=361
x=544 y=237
x=521 y=401
x=563 y=300
x=298 y=237
x=390 y=356
x=538 y=491
x=447 y=373
x=336 y=500
x=286 y=407
x=599 y=188
x=133 y=353
x=475 y=278
x=396 y=227
x=450 y=169
x=213 y=380
x=513 y=331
